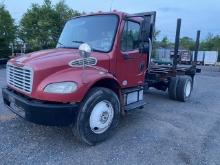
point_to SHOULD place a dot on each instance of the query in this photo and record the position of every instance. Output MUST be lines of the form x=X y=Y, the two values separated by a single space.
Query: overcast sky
x=196 y=15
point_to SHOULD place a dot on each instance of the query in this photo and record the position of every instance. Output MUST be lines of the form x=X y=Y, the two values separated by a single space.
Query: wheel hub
x=101 y=117
x=104 y=117
x=188 y=88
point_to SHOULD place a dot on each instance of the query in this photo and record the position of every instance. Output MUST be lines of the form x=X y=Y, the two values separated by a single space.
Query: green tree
x=187 y=43
x=7 y=31
x=41 y=25
x=208 y=43
x=211 y=43
x=64 y=14
x=155 y=38
x=165 y=43
x=156 y=34
x=155 y=42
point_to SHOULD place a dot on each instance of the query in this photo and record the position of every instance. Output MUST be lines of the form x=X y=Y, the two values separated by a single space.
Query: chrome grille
x=90 y=61
x=20 y=78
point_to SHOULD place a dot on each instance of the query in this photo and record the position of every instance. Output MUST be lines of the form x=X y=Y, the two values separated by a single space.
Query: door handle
x=127 y=57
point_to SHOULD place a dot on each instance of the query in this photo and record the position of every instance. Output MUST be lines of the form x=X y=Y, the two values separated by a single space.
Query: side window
x=130 y=35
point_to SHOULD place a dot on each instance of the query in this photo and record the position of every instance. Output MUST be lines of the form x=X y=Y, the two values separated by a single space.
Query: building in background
x=165 y=56
x=207 y=57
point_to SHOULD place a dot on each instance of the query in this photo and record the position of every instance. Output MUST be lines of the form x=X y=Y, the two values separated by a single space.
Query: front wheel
x=98 y=116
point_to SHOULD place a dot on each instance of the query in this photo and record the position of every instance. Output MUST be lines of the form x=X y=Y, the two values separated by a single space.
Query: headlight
x=61 y=87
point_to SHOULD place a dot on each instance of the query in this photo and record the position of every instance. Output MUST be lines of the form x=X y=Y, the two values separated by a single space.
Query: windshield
x=98 y=31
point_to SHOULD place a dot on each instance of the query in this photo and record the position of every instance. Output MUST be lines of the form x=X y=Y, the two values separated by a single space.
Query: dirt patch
x=7 y=117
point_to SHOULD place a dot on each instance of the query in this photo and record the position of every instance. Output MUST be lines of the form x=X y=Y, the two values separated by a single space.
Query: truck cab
x=96 y=73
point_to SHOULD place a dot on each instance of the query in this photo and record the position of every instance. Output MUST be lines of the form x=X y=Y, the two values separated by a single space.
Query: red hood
x=47 y=58
x=56 y=59
x=47 y=62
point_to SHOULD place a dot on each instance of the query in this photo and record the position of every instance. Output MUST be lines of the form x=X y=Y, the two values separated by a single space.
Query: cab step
x=135 y=105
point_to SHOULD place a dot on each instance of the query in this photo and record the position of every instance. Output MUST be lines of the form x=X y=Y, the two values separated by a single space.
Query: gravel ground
x=164 y=132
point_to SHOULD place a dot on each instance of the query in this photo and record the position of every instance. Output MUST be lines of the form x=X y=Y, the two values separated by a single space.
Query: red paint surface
x=52 y=66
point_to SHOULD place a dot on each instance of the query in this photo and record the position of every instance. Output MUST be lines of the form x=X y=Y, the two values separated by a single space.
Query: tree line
x=41 y=26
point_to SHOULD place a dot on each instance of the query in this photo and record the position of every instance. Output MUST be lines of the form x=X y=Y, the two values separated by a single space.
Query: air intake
x=20 y=78
x=83 y=62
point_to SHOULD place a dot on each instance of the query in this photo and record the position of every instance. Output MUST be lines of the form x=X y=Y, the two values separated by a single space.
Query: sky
x=196 y=15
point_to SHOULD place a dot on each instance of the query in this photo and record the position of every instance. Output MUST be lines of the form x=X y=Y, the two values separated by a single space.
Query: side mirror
x=146 y=29
x=146 y=34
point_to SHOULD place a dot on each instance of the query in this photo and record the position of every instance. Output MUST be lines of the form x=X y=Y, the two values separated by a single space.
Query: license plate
x=15 y=108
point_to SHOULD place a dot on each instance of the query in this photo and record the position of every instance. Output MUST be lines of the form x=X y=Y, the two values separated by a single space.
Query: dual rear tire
x=180 y=88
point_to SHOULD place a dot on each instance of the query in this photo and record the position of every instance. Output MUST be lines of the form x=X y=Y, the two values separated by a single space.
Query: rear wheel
x=184 y=88
x=173 y=87
x=98 y=116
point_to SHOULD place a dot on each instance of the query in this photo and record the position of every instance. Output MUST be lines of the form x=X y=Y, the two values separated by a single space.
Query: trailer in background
x=211 y=58
x=166 y=55
x=186 y=57
x=207 y=57
x=162 y=56
x=200 y=57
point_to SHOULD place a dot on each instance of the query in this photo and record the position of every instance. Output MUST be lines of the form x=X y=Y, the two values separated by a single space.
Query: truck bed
x=162 y=73
x=166 y=69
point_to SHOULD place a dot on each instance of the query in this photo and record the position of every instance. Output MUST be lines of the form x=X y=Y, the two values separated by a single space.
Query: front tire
x=98 y=116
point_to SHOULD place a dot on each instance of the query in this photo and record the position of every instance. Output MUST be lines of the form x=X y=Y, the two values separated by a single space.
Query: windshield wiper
x=78 y=42
x=64 y=46
x=60 y=43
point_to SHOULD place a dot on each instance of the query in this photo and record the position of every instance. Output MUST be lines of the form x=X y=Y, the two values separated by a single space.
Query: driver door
x=131 y=64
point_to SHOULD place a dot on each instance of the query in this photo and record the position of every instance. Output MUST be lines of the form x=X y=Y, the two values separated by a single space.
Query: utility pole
x=111 y=5
x=12 y=49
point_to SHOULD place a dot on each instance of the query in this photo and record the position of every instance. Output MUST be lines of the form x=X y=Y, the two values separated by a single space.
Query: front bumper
x=39 y=112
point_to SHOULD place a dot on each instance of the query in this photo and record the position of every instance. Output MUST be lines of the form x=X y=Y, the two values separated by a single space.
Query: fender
x=85 y=79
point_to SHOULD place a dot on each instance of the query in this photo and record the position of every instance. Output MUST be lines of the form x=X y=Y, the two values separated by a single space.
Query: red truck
x=98 y=71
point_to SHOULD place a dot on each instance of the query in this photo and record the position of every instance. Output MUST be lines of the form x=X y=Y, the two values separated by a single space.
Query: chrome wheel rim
x=101 y=117
x=188 y=88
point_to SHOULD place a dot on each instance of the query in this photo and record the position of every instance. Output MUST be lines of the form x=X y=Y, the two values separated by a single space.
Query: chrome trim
x=20 y=78
x=89 y=61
